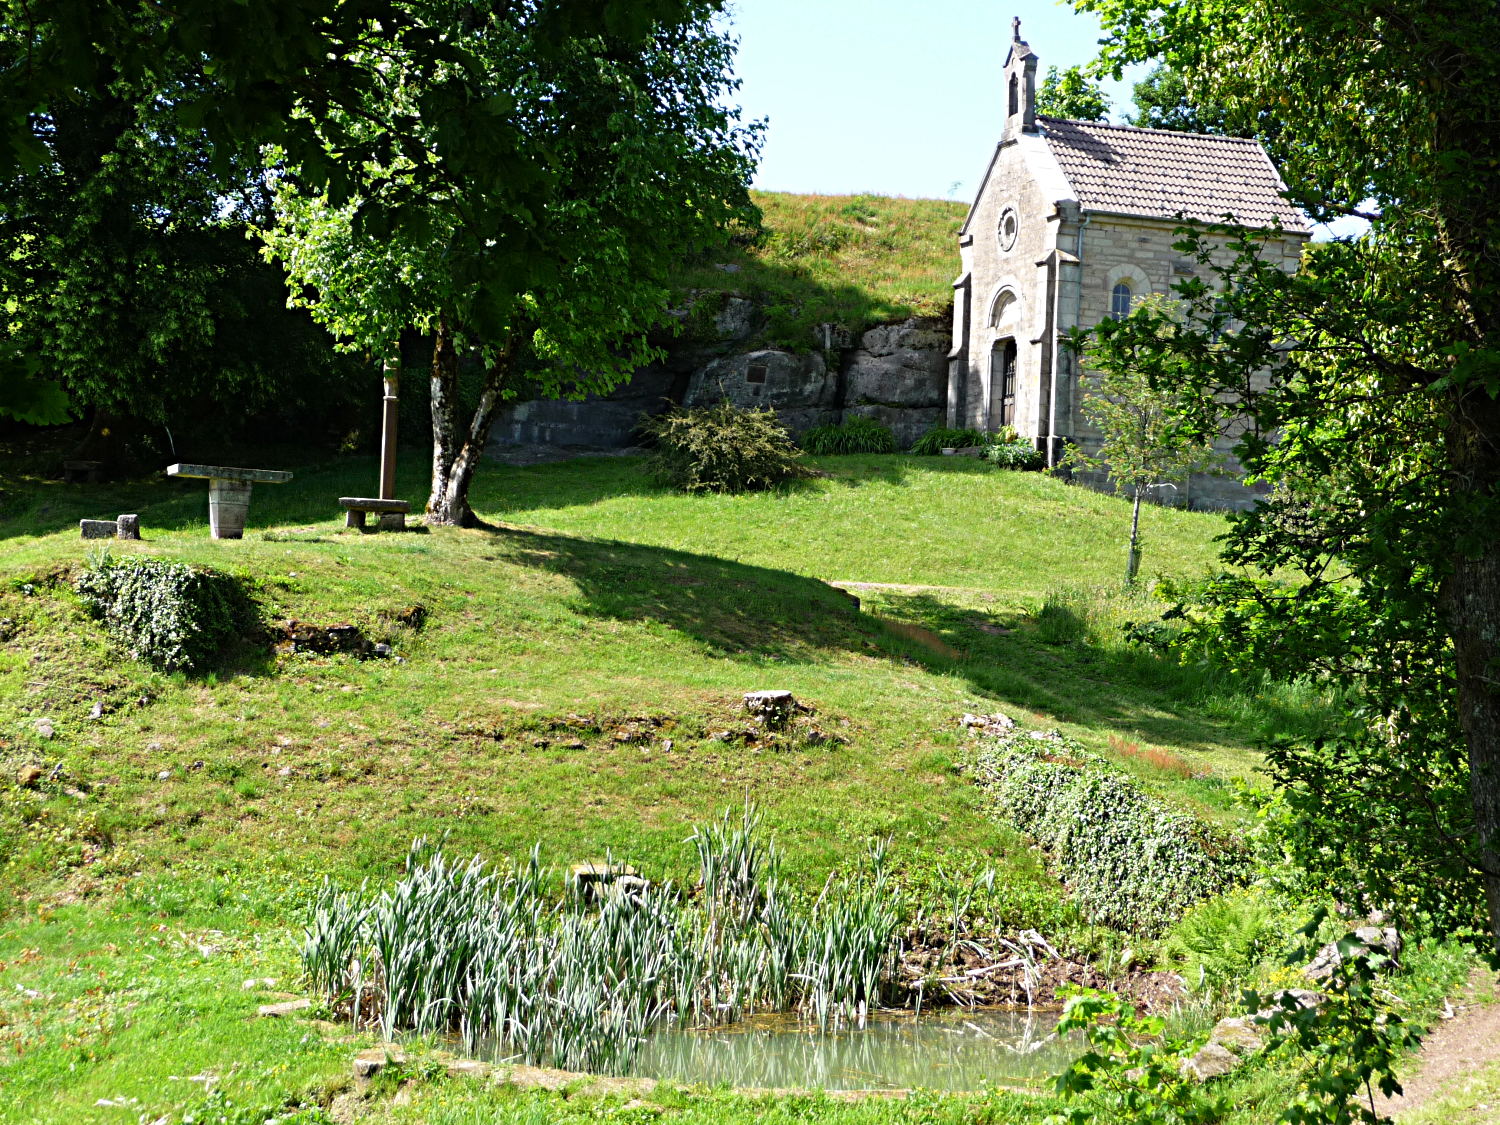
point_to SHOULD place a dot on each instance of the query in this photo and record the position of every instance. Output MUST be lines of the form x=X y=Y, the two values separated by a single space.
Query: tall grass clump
x=855 y=435
x=939 y=438
x=503 y=959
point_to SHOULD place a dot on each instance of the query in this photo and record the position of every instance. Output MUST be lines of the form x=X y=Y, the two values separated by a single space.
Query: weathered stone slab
x=371 y=504
x=367 y=1064
x=1211 y=1061
x=229 y=472
x=129 y=526
x=284 y=1009
x=392 y=512
x=228 y=493
x=98 y=529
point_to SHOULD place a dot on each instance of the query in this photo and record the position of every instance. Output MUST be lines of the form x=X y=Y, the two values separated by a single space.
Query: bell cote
x=1020 y=86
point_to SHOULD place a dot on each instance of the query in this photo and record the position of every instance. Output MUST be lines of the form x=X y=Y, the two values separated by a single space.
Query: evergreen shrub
x=722 y=449
x=939 y=438
x=170 y=615
x=1133 y=862
x=856 y=435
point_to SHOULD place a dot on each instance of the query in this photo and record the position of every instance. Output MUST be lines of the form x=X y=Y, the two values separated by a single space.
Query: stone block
x=1240 y=1035
x=1211 y=1061
x=128 y=526
x=284 y=1009
x=87 y=471
x=98 y=529
x=367 y=1064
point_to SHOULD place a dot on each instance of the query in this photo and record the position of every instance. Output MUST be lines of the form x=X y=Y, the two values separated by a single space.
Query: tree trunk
x=454 y=460
x=1471 y=603
x=1133 y=559
x=444 y=426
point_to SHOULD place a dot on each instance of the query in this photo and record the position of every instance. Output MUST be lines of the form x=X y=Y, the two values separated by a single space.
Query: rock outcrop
x=899 y=376
x=894 y=373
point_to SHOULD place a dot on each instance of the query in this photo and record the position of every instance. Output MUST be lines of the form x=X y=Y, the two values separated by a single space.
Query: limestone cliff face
x=895 y=373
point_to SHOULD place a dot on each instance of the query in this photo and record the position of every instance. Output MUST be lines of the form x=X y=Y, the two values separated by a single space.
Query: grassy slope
x=851 y=260
x=601 y=605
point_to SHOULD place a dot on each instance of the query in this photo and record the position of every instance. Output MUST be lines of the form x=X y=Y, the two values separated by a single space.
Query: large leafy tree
x=634 y=162
x=1072 y=94
x=1378 y=367
x=128 y=279
x=296 y=74
x=1163 y=100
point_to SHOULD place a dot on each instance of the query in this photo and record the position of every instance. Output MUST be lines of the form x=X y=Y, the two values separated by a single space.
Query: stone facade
x=1073 y=222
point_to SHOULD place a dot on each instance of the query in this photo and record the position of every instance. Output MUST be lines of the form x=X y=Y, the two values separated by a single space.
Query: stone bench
x=392 y=512
x=228 y=493
x=87 y=470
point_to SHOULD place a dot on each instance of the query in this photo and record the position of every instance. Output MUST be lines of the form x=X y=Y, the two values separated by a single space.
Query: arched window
x=1015 y=94
x=1002 y=306
x=1119 y=301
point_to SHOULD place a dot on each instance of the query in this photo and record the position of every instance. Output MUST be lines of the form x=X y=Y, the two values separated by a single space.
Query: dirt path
x=1455 y=1049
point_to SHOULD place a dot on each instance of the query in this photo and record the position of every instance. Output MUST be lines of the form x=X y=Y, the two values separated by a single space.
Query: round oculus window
x=1010 y=225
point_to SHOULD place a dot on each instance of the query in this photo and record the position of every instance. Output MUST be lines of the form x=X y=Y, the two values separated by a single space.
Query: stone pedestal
x=228 y=493
x=228 y=501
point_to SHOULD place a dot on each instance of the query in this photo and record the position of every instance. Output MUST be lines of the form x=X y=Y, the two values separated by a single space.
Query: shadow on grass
x=1047 y=664
x=734 y=610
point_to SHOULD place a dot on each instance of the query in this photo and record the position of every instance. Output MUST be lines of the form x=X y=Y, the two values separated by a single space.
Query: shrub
x=722 y=449
x=1132 y=861
x=1014 y=455
x=939 y=438
x=857 y=435
x=170 y=615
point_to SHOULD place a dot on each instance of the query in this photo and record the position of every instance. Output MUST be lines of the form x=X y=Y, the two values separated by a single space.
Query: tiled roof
x=1152 y=172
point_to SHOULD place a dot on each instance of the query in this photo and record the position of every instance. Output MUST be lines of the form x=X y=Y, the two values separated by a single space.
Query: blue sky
x=894 y=97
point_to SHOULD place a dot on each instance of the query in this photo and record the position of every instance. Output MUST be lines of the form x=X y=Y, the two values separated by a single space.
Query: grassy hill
x=571 y=683
x=849 y=260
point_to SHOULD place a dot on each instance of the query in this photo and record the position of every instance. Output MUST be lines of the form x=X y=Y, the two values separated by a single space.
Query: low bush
x=857 y=435
x=1014 y=455
x=1133 y=862
x=939 y=438
x=722 y=449
x=170 y=615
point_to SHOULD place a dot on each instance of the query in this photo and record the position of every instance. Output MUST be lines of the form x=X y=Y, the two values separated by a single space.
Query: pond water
x=947 y=1050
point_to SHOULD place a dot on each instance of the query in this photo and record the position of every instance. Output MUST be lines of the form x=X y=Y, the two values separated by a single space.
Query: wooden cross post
x=388 y=434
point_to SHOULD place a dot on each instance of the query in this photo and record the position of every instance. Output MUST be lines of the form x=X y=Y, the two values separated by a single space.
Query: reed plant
x=515 y=968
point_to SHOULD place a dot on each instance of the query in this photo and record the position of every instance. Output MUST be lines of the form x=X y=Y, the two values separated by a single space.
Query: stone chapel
x=1072 y=222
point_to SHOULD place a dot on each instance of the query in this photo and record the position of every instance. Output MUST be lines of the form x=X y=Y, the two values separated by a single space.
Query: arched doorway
x=1003 y=383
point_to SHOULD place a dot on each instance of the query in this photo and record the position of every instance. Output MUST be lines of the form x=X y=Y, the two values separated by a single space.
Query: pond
x=967 y=1049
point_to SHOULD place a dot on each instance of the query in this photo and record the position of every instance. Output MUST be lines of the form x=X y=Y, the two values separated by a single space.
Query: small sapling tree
x=1133 y=396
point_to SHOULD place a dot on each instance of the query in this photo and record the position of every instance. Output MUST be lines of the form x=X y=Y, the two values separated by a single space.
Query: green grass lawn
x=569 y=686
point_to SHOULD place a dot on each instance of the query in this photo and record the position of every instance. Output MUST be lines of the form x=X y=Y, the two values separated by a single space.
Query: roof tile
x=1155 y=173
